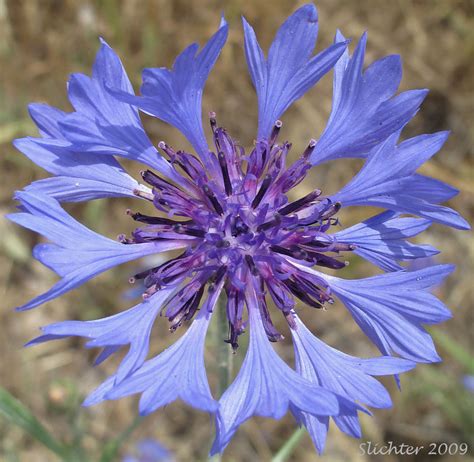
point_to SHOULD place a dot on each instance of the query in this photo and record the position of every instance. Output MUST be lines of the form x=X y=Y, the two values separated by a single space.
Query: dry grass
x=42 y=41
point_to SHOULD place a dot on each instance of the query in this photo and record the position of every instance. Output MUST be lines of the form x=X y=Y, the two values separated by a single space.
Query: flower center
x=236 y=218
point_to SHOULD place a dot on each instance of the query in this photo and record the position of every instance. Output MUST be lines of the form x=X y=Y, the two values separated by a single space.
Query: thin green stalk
x=16 y=413
x=225 y=355
x=285 y=451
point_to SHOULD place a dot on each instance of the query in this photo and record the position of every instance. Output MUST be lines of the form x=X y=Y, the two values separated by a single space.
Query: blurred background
x=43 y=41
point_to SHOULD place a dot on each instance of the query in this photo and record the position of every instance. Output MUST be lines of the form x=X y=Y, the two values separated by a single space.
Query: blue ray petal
x=47 y=119
x=131 y=327
x=80 y=177
x=77 y=254
x=391 y=308
x=343 y=374
x=175 y=95
x=381 y=239
x=176 y=373
x=103 y=125
x=388 y=180
x=266 y=386
x=365 y=110
x=289 y=71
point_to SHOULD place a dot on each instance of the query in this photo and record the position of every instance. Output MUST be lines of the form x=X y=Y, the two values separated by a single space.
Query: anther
x=301 y=294
x=296 y=205
x=213 y=199
x=331 y=210
x=261 y=192
x=325 y=260
x=309 y=149
x=293 y=251
x=269 y=224
x=153 y=179
x=168 y=150
x=251 y=264
x=180 y=229
x=213 y=121
x=216 y=278
x=225 y=173
x=154 y=220
x=275 y=131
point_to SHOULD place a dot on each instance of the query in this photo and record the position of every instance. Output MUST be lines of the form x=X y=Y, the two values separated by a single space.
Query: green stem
x=285 y=451
x=225 y=355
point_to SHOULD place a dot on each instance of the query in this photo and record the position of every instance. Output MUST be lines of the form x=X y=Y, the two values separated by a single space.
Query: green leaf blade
x=17 y=414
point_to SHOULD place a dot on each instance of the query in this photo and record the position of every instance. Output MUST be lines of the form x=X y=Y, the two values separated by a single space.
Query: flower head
x=227 y=209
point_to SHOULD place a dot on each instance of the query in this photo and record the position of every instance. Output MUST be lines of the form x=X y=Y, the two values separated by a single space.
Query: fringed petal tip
x=290 y=70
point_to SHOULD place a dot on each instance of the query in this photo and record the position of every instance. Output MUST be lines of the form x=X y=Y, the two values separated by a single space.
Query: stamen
x=311 y=289
x=216 y=278
x=213 y=121
x=141 y=275
x=251 y=264
x=303 y=296
x=168 y=150
x=151 y=178
x=275 y=131
x=269 y=224
x=309 y=149
x=293 y=251
x=225 y=173
x=213 y=199
x=325 y=261
x=180 y=229
x=323 y=246
x=157 y=182
x=331 y=210
x=149 y=220
x=272 y=334
x=298 y=204
x=261 y=192
x=187 y=311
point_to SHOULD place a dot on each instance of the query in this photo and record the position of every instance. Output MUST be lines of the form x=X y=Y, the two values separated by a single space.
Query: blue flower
x=149 y=450
x=228 y=212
